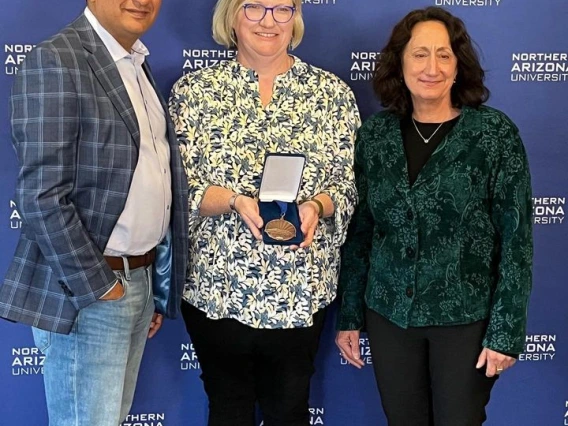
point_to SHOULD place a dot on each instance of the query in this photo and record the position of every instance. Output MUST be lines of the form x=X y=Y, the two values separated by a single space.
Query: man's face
x=126 y=20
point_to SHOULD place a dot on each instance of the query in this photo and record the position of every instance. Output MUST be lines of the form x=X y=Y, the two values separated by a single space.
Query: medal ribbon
x=283 y=208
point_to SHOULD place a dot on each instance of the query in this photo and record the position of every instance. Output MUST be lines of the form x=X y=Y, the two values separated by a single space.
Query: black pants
x=242 y=365
x=426 y=375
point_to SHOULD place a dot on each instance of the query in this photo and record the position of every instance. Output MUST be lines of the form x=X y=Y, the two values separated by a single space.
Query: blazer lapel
x=148 y=72
x=107 y=74
x=172 y=138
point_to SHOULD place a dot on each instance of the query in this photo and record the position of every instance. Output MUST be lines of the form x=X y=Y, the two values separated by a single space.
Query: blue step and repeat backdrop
x=525 y=52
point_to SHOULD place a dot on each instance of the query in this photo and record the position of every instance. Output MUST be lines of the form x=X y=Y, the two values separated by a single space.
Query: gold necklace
x=420 y=134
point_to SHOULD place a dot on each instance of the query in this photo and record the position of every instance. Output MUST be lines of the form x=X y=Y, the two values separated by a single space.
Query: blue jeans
x=90 y=374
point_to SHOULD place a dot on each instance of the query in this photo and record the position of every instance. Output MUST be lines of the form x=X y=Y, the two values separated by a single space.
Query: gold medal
x=280 y=230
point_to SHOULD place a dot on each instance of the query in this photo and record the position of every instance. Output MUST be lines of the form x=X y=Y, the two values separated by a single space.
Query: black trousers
x=242 y=365
x=426 y=375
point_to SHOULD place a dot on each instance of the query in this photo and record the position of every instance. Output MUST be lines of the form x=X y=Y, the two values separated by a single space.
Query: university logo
x=365 y=350
x=468 y=3
x=316 y=416
x=145 y=419
x=196 y=59
x=548 y=210
x=319 y=2
x=188 y=360
x=15 y=218
x=539 y=67
x=14 y=55
x=362 y=65
x=27 y=361
x=539 y=347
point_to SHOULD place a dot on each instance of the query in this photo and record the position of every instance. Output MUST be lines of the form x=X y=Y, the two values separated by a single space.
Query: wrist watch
x=232 y=201
x=318 y=203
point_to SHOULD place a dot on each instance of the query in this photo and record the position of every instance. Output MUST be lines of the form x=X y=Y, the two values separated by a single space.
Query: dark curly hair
x=388 y=84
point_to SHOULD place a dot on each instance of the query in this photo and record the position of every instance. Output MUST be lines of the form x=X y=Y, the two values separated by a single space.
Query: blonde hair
x=226 y=12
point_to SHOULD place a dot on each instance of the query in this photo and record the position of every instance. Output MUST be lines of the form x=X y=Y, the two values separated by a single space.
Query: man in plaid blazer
x=103 y=198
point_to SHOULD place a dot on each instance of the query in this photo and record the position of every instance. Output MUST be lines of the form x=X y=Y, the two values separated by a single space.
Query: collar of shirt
x=138 y=52
x=298 y=68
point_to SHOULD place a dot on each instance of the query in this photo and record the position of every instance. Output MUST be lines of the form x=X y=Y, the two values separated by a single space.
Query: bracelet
x=319 y=204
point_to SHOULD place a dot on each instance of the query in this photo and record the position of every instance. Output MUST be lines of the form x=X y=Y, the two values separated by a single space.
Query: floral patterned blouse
x=225 y=134
x=453 y=248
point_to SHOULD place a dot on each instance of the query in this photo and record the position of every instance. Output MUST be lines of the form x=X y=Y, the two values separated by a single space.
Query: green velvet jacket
x=454 y=248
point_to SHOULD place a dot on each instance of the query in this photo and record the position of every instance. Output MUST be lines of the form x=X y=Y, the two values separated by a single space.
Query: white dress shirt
x=146 y=215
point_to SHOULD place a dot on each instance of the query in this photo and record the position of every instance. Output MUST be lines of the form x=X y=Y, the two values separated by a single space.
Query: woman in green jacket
x=438 y=258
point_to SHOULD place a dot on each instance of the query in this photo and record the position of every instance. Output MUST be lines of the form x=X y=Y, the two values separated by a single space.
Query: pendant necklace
x=420 y=134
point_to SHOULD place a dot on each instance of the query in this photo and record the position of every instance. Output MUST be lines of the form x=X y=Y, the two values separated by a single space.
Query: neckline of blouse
x=298 y=67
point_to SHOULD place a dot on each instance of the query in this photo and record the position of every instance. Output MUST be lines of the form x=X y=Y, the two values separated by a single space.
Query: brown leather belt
x=117 y=264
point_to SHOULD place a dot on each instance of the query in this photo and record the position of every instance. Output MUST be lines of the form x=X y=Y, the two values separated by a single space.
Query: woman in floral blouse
x=254 y=311
x=438 y=258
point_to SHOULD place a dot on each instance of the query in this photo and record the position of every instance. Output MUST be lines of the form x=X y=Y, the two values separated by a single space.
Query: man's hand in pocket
x=114 y=293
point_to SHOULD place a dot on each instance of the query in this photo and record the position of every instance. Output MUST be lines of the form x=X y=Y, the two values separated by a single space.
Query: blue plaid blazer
x=76 y=137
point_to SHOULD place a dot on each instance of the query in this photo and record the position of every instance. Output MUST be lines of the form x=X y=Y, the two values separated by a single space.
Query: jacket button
x=409 y=292
x=410 y=252
x=410 y=214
